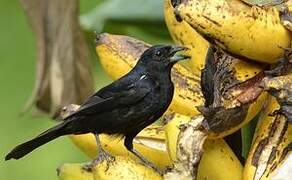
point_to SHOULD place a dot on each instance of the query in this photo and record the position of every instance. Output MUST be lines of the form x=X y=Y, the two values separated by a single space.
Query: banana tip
x=101 y=38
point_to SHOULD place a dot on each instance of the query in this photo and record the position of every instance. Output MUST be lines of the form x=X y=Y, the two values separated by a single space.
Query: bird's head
x=160 y=57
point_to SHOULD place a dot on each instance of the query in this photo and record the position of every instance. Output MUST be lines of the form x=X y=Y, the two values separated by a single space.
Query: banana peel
x=229 y=103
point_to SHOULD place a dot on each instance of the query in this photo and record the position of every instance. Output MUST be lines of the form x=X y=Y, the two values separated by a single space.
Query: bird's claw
x=102 y=155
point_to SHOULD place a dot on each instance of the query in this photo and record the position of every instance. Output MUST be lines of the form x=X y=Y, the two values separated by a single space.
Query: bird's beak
x=177 y=57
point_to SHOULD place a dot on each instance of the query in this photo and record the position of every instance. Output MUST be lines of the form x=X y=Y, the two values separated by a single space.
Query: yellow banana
x=182 y=33
x=75 y=171
x=252 y=32
x=150 y=143
x=118 y=55
x=270 y=146
x=125 y=168
x=218 y=161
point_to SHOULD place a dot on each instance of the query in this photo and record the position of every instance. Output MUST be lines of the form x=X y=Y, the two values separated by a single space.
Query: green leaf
x=247 y=133
x=122 y=10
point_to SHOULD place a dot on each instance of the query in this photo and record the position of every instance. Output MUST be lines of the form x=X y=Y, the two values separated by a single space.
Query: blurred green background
x=17 y=74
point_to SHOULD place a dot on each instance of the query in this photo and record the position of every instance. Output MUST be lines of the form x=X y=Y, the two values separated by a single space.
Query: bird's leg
x=102 y=154
x=129 y=145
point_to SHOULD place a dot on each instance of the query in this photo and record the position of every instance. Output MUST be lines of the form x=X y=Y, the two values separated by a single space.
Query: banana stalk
x=253 y=32
x=218 y=160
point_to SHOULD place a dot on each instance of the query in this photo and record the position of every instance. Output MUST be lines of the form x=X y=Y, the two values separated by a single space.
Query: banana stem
x=189 y=150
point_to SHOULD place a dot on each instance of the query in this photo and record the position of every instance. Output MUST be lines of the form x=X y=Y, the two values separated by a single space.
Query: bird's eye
x=158 y=53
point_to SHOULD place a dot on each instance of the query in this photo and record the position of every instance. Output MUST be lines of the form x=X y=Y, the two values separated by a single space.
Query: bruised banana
x=272 y=143
x=150 y=143
x=230 y=103
x=218 y=161
x=76 y=171
x=123 y=168
x=252 y=32
x=184 y=34
x=119 y=54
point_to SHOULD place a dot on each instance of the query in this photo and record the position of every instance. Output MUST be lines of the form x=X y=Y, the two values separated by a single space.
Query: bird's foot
x=102 y=155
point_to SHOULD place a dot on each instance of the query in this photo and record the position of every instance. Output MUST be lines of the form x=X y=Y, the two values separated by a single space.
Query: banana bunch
x=271 y=145
x=241 y=33
x=249 y=31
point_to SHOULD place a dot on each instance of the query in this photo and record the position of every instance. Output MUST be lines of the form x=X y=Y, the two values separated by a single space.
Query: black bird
x=124 y=107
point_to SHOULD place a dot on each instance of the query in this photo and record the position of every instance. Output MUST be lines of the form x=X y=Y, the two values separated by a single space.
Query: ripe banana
x=252 y=32
x=75 y=171
x=118 y=55
x=218 y=161
x=150 y=143
x=125 y=168
x=182 y=33
x=271 y=145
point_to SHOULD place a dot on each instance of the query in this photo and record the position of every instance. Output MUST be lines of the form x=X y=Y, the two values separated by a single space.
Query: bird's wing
x=113 y=96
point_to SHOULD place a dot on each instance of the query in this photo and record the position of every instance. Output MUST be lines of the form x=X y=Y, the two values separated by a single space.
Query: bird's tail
x=45 y=137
